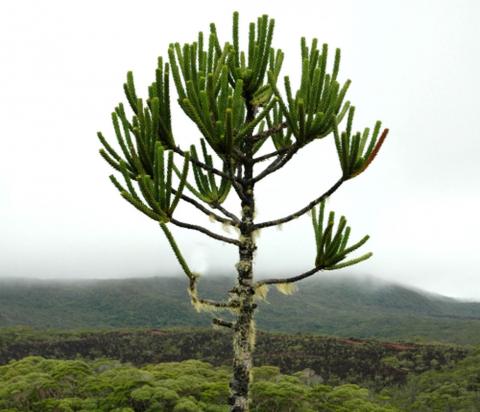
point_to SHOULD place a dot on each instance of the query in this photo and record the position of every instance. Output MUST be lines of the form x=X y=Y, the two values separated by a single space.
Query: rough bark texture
x=244 y=328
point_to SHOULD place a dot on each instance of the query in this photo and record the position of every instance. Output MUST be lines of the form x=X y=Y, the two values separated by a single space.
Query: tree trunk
x=243 y=342
x=244 y=327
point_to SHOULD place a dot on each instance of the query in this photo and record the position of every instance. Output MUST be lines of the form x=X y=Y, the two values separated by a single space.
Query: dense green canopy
x=38 y=384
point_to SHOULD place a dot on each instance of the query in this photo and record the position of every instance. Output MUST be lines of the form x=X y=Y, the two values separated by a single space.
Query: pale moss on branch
x=286 y=288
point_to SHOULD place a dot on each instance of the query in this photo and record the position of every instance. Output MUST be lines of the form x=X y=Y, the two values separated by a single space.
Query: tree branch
x=216 y=304
x=293 y=279
x=192 y=277
x=299 y=213
x=269 y=155
x=269 y=132
x=234 y=221
x=239 y=172
x=230 y=175
x=278 y=163
x=205 y=231
x=240 y=155
x=203 y=165
x=235 y=182
x=221 y=322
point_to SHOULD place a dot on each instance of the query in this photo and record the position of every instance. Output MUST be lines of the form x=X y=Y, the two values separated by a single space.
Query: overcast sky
x=414 y=65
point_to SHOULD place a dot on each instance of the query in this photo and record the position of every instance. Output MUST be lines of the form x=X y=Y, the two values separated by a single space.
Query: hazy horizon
x=413 y=64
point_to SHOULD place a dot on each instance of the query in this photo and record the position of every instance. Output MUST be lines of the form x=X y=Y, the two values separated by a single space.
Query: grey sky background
x=414 y=65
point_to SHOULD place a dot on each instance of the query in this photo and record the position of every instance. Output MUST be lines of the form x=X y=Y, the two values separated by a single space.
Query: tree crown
x=234 y=99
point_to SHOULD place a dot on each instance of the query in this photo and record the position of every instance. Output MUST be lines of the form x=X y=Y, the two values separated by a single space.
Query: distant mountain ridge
x=346 y=307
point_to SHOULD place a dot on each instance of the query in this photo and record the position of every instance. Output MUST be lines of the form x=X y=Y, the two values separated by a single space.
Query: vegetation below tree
x=333 y=360
x=38 y=384
x=138 y=369
x=453 y=388
x=343 y=307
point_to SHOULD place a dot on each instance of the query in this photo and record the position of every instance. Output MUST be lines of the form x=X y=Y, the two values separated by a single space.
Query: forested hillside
x=344 y=307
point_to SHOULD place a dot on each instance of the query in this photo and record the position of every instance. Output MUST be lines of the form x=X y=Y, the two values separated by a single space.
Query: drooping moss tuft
x=226 y=227
x=286 y=288
x=261 y=292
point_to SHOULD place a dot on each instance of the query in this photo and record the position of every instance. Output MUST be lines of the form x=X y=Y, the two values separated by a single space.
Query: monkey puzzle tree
x=233 y=98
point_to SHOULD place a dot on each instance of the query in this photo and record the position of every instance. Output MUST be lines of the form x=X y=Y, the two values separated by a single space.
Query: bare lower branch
x=193 y=277
x=205 y=304
x=205 y=231
x=221 y=322
x=299 y=213
x=196 y=301
x=216 y=304
x=293 y=279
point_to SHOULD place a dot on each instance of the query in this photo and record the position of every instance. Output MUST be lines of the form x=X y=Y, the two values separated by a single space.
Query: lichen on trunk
x=243 y=345
x=244 y=327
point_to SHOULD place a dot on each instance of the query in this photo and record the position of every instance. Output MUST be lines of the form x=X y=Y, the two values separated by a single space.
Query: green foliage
x=43 y=385
x=208 y=189
x=353 y=152
x=216 y=86
x=332 y=246
x=283 y=394
x=38 y=384
x=455 y=387
x=312 y=111
x=158 y=202
x=346 y=398
x=150 y=123
x=230 y=95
